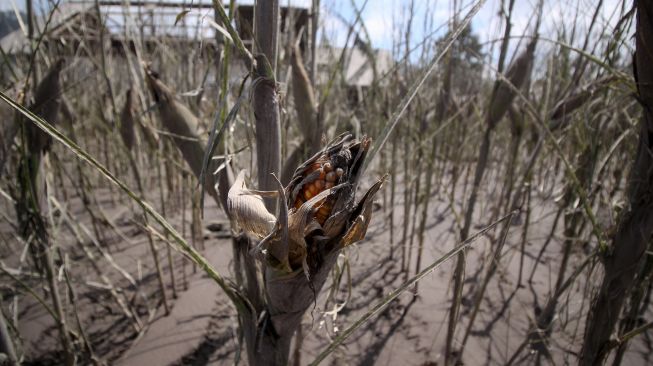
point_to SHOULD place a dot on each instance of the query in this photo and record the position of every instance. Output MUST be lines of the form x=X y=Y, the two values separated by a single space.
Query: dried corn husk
x=516 y=121
x=149 y=132
x=248 y=210
x=47 y=102
x=312 y=249
x=226 y=179
x=363 y=216
x=308 y=240
x=570 y=104
x=298 y=240
x=295 y=158
x=517 y=75
x=68 y=116
x=127 y=120
x=8 y=131
x=181 y=122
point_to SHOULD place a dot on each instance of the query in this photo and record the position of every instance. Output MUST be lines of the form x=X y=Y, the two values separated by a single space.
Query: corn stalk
x=635 y=227
x=6 y=344
x=318 y=217
x=265 y=99
x=31 y=205
x=501 y=99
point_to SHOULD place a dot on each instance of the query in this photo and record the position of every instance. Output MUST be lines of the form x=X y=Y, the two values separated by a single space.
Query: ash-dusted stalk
x=265 y=103
x=127 y=133
x=6 y=345
x=305 y=101
x=503 y=94
x=636 y=222
x=265 y=97
x=307 y=116
x=32 y=203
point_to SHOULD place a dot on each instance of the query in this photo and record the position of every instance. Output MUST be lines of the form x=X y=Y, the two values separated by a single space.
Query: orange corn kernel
x=327 y=167
x=327 y=178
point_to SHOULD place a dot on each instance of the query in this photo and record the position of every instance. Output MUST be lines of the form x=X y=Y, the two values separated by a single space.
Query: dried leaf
x=516 y=76
x=47 y=103
x=127 y=120
x=181 y=16
x=248 y=210
x=220 y=29
x=358 y=229
x=180 y=121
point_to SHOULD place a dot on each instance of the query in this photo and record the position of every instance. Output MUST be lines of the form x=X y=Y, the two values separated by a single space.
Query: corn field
x=270 y=183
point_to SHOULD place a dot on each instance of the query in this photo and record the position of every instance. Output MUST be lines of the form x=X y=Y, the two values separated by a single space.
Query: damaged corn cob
x=321 y=215
x=324 y=171
x=327 y=177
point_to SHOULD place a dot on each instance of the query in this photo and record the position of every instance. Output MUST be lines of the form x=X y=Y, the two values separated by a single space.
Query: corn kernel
x=313 y=189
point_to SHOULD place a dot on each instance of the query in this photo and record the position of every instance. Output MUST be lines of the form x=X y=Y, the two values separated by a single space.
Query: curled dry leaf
x=363 y=215
x=248 y=210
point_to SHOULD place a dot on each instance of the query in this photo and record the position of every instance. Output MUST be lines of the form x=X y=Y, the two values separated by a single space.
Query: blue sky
x=381 y=17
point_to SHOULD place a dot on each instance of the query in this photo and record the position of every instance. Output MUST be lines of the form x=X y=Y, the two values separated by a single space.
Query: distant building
x=152 y=24
x=359 y=70
x=77 y=23
x=69 y=18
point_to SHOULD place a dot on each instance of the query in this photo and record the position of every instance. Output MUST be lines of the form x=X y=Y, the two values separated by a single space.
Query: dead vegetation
x=468 y=203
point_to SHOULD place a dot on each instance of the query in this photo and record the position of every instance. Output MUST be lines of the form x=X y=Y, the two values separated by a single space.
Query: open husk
x=313 y=222
x=248 y=210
